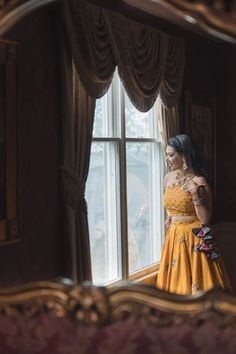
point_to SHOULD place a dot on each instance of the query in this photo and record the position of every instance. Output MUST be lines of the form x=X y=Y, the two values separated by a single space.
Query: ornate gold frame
x=100 y=305
x=211 y=20
x=195 y=14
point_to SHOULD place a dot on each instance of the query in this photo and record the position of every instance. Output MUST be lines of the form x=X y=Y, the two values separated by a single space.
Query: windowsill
x=146 y=276
x=142 y=274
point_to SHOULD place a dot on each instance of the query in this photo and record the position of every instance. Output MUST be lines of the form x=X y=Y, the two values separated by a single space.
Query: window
x=124 y=189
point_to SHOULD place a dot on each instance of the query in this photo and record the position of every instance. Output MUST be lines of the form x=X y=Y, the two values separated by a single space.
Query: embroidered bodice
x=178 y=201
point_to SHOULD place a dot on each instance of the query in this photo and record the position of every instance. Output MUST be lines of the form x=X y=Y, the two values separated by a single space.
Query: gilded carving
x=90 y=305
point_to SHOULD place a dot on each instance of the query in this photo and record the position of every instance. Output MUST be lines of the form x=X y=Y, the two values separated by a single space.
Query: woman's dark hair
x=183 y=144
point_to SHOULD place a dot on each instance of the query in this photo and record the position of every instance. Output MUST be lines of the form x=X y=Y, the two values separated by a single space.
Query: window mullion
x=123 y=194
x=125 y=188
x=160 y=191
x=154 y=209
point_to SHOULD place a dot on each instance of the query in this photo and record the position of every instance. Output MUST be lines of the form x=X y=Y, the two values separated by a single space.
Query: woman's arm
x=166 y=179
x=168 y=218
x=202 y=199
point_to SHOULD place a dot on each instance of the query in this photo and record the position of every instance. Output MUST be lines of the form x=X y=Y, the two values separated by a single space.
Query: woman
x=190 y=259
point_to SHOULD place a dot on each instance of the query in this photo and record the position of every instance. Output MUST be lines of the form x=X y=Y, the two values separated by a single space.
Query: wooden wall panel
x=39 y=253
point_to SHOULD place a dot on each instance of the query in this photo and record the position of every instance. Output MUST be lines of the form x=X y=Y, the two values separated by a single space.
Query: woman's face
x=173 y=158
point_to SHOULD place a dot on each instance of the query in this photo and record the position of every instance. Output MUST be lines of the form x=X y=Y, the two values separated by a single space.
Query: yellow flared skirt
x=183 y=269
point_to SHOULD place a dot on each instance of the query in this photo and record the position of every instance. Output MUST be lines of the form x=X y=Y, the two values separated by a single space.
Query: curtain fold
x=90 y=45
x=168 y=121
x=172 y=79
x=77 y=113
x=139 y=53
x=149 y=61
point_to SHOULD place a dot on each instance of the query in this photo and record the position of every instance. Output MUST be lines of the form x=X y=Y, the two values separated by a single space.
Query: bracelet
x=198 y=201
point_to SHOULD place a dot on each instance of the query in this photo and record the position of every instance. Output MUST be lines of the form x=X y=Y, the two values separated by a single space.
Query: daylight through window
x=124 y=189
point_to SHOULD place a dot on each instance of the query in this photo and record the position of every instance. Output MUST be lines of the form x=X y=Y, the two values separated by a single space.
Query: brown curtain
x=149 y=61
x=77 y=112
x=168 y=121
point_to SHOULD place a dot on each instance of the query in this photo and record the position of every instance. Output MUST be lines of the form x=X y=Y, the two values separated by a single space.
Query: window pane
x=144 y=215
x=138 y=124
x=107 y=113
x=100 y=118
x=103 y=212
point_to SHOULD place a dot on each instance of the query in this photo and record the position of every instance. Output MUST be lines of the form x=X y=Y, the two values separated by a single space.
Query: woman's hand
x=202 y=198
x=194 y=189
x=168 y=221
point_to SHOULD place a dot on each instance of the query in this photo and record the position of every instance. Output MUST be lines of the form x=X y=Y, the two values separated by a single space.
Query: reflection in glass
x=137 y=124
x=143 y=235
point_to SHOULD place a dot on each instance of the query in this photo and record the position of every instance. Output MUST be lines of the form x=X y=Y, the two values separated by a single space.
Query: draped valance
x=150 y=62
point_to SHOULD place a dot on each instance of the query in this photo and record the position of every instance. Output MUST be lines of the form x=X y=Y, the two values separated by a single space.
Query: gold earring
x=185 y=166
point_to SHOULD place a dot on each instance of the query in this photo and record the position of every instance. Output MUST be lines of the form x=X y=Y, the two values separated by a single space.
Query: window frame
x=146 y=273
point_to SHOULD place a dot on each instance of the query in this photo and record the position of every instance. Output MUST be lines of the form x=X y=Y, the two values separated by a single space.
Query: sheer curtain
x=168 y=121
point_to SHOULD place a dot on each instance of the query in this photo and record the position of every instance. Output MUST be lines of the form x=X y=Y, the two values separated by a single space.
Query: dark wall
x=211 y=70
x=226 y=134
x=39 y=253
x=226 y=152
x=200 y=66
x=201 y=80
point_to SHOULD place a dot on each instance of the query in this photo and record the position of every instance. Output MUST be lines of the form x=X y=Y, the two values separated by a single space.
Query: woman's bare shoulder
x=168 y=177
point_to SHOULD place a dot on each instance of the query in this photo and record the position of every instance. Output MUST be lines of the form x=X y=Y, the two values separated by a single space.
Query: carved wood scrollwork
x=215 y=17
x=87 y=305
x=12 y=11
x=98 y=306
x=164 y=309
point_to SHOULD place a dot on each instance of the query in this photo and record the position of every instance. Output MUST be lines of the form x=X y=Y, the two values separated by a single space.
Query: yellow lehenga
x=184 y=269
